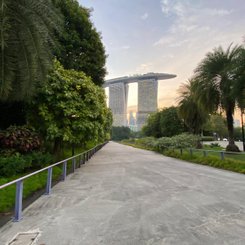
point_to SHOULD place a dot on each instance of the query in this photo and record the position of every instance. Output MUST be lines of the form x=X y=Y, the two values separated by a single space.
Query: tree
x=164 y=123
x=151 y=128
x=170 y=123
x=80 y=44
x=27 y=28
x=194 y=116
x=70 y=108
x=215 y=75
x=216 y=124
x=120 y=133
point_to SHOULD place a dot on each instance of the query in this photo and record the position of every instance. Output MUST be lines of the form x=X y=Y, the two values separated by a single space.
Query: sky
x=169 y=36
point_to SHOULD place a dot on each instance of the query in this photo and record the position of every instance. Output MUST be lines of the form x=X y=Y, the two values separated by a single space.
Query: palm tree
x=193 y=115
x=216 y=84
x=26 y=37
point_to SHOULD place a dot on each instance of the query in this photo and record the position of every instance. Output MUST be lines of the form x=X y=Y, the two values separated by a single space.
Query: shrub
x=13 y=165
x=20 y=139
x=17 y=163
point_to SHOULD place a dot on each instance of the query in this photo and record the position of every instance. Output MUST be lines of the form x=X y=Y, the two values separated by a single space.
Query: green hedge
x=18 y=163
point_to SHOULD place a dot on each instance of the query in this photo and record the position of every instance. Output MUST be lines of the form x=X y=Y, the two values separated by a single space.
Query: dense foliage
x=70 y=108
x=19 y=139
x=176 y=142
x=164 y=123
x=218 y=86
x=216 y=82
x=120 y=133
x=80 y=46
x=18 y=163
x=27 y=29
x=193 y=115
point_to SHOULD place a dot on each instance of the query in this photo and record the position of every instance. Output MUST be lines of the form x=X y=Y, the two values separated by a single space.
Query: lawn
x=34 y=183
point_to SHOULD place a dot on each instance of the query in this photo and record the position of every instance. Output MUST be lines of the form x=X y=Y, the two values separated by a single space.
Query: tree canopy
x=70 y=108
x=189 y=110
x=80 y=46
x=216 y=78
x=165 y=123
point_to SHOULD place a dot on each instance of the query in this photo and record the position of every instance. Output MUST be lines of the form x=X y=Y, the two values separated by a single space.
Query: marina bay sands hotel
x=147 y=96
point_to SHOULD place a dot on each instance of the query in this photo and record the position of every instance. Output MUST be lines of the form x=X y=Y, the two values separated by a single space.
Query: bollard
x=49 y=181
x=18 y=201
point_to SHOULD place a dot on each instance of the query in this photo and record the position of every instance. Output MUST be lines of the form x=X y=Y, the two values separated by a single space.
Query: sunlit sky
x=169 y=36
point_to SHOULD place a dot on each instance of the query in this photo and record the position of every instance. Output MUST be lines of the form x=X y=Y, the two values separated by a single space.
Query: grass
x=31 y=185
x=232 y=162
x=36 y=182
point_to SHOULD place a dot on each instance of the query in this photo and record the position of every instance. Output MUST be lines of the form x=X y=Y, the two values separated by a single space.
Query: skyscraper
x=147 y=100
x=118 y=97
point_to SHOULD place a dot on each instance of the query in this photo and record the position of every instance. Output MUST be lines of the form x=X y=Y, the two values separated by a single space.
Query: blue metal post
x=49 y=181
x=64 y=172
x=222 y=155
x=79 y=161
x=18 y=201
x=73 y=165
x=204 y=153
x=181 y=151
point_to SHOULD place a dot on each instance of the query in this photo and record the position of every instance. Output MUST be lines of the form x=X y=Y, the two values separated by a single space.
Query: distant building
x=147 y=97
x=147 y=100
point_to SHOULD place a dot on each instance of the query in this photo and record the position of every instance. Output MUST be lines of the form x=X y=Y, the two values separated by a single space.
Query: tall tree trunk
x=57 y=149
x=229 y=119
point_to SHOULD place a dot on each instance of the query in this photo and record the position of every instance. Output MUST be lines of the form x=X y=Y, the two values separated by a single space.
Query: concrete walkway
x=127 y=196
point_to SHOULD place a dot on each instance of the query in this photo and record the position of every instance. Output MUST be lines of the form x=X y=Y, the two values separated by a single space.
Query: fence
x=221 y=154
x=77 y=161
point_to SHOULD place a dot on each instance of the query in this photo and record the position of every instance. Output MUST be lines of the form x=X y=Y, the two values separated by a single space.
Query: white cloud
x=178 y=44
x=164 y=41
x=144 y=16
x=125 y=47
x=144 y=68
x=219 y=12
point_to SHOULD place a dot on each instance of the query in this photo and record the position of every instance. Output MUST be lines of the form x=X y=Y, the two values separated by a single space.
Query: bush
x=17 y=163
x=20 y=139
x=13 y=165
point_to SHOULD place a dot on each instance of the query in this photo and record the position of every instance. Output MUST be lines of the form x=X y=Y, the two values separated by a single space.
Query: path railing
x=221 y=154
x=77 y=161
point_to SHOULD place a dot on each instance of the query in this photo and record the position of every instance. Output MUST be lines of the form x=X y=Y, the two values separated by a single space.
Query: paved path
x=127 y=196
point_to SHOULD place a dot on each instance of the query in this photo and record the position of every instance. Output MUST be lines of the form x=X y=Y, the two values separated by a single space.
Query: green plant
x=27 y=29
x=20 y=138
x=13 y=165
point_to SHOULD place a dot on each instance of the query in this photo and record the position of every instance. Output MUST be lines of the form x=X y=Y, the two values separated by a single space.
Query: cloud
x=125 y=47
x=164 y=41
x=144 y=16
x=219 y=12
x=144 y=68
